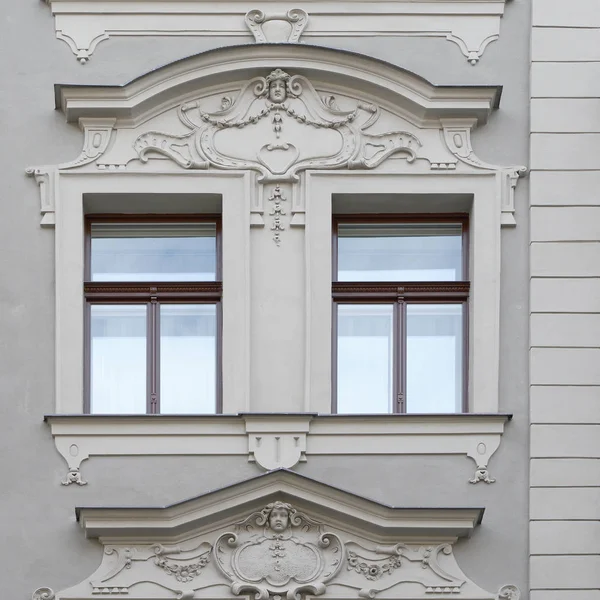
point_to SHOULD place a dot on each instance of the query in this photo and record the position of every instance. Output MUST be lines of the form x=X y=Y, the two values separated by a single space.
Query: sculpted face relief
x=279 y=519
x=277 y=91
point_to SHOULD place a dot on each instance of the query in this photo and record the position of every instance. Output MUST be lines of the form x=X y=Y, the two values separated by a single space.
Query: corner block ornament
x=279 y=552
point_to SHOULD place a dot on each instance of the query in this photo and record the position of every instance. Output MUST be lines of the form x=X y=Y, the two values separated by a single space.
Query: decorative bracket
x=82 y=50
x=458 y=140
x=274 y=441
x=481 y=452
x=279 y=443
x=97 y=134
x=287 y=27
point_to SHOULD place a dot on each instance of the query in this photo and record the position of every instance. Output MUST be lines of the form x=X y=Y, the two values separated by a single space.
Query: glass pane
x=188 y=352
x=365 y=358
x=434 y=356
x=118 y=359
x=400 y=252
x=154 y=252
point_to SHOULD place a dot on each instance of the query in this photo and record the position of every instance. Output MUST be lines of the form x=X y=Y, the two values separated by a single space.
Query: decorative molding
x=278 y=551
x=293 y=106
x=421 y=102
x=43 y=593
x=294 y=23
x=470 y=24
x=277 y=441
x=458 y=140
x=184 y=571
x=73 y=476
x=97 y=134
x=46 y=178
x=279 y=125
x=277 y=213
x=279 y=535
x=82 y=51
x=509 y=592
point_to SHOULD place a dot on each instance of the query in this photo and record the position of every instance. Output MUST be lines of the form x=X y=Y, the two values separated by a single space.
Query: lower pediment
x=279 y=535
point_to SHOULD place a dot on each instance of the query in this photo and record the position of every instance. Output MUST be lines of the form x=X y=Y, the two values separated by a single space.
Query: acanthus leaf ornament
x=293 y=129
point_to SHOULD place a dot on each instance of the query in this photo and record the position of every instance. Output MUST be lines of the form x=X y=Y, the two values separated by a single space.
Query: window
x=153 y=291
x=400 y=314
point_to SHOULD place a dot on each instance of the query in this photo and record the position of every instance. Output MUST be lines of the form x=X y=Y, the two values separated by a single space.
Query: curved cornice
x=419 y=100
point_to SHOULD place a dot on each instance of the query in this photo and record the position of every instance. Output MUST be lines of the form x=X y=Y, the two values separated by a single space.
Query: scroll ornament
x=289 y=129
x=279 y=553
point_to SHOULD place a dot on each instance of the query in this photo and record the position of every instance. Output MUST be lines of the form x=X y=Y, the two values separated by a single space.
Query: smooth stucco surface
x=42 y=544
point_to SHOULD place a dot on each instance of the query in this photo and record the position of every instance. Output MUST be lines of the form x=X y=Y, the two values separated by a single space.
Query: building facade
x=301 y=299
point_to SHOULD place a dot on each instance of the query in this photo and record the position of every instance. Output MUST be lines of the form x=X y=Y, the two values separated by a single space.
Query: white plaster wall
x=565 y=301
x=42 y=544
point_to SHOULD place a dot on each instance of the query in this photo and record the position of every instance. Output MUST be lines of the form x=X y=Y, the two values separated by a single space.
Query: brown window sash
x=152 y=294
x=401 y=294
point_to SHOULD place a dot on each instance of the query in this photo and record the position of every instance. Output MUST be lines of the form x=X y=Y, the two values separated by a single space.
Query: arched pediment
x=338 y=110
x=418 y=100
x=279 y=535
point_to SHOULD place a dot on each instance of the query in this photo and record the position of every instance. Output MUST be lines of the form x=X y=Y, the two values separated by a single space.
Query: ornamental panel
x=278 y=536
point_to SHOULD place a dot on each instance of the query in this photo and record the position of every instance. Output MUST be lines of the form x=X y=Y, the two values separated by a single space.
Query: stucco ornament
x=43 y=593
x=289 y=128
x=279 y=552
x=509 y=592
x=287 y=27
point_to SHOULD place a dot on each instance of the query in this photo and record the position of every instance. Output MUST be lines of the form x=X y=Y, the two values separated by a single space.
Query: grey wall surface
x=42 y=545
x=565 y=302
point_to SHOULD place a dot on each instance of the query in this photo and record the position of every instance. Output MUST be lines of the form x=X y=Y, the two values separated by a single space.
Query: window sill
x=276 y=440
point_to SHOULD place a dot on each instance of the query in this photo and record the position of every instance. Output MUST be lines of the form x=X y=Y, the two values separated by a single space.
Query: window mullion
x=400 y=355
x=153 y=337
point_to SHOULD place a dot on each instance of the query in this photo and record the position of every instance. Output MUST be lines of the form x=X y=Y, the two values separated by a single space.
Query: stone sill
x=276 y=440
